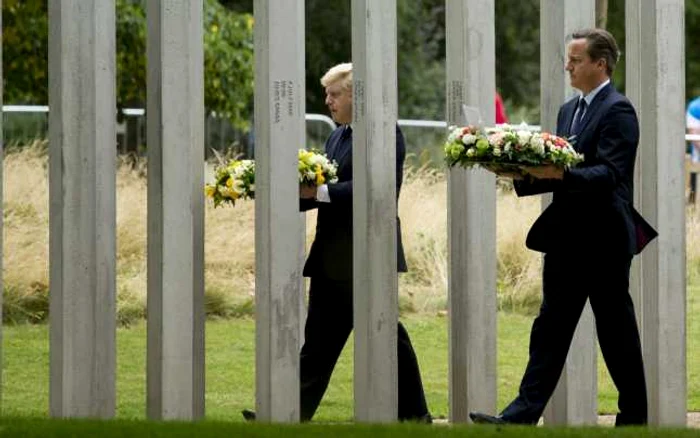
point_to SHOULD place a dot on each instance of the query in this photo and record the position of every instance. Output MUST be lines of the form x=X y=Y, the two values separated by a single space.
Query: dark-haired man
x=589 y=234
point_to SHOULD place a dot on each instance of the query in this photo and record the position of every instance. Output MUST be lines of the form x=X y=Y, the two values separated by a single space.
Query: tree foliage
x=518 y=52
x=420 y=53
x=228 y=63
x=25 y=52
x=228 y=56
x=692 y=42
x=228 y=40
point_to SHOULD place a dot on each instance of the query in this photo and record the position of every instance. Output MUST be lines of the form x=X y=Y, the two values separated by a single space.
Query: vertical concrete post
x=175 y=112
x=280 y=132
x=471 y=81
x=374 y=209
x=656 y=44
x=82 y=224
x=633 y=90
x=574 y=401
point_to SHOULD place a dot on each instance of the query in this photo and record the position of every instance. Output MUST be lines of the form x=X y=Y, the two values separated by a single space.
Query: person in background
x=692 y=124
x=501 y=116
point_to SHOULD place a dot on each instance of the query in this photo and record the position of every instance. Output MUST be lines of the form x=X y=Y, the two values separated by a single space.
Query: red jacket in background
x=501 y=116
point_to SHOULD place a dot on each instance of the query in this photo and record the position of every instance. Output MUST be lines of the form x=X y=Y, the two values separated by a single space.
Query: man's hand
x=503 y=173
x=512 y=175
x=549 y=171
x=307 y=191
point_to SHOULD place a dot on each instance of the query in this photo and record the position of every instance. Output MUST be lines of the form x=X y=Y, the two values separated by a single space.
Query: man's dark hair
x=601 y=45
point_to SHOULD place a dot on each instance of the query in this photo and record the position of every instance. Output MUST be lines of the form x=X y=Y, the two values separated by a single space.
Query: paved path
x=609 y=420
x=693 y=420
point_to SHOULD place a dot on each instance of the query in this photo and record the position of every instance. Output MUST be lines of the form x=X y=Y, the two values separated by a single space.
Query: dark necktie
x=578 y=118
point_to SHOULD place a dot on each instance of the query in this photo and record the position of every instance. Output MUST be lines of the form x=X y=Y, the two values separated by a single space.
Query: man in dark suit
x=329 y=319
x=589 y=234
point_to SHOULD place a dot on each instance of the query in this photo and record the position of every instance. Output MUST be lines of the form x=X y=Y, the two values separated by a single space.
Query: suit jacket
x=592 y=205
x=331 y=251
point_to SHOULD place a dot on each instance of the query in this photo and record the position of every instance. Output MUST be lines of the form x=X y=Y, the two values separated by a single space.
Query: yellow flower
x=209 y=191
x=229 y=182
x=319 y=176
x=305 y=157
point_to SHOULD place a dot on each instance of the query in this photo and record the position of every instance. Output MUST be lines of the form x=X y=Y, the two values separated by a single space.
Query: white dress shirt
x=589 y=97
x=322 y=194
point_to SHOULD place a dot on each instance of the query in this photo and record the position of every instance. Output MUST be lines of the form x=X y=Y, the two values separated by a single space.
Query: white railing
x=136 y=112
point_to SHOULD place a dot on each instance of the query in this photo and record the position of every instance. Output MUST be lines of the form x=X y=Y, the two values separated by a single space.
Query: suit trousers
x=329 y=322
x=569 y=279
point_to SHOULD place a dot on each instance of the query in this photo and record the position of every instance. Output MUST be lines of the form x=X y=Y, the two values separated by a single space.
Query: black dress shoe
x=479 y=418
x=248 y=414
x=421 y=419
x=425 y=419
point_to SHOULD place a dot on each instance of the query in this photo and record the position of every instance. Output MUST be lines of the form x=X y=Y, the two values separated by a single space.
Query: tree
x=228 y=63
x=229 y=52
x=420 y=53
x=692 y=41
x=25 y=52
x=615 y=22
x=228 y=57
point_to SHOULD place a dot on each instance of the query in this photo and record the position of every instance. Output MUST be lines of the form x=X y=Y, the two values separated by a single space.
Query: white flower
x=497 y=151
x=469 y=139
x=496 y=138
x=524 y=137
x=470 y=152
x=317 y=159
x=454 y=135
x=538 y=146
x=237 y=186
x=225 y=192
x=537 y=142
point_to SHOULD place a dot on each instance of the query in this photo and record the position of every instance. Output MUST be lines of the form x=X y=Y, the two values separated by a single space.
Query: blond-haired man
x=330 y=267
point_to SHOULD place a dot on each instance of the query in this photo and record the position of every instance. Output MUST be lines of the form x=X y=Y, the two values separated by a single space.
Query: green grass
x=133 y=429
x=230 y=362
x=693 y=355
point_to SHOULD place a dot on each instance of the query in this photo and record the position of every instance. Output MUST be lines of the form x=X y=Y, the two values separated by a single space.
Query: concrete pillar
x=374 y=209
x=280 y=132
x=82 y=224
x=633 y=90
x=175 y=111
x=471 y=215
x=574 y=401
x=655 y=42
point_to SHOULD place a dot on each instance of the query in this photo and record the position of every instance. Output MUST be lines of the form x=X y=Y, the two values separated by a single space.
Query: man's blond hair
x=341 y=73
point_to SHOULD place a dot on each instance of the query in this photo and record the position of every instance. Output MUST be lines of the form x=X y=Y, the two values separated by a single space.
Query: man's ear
x=602 y=63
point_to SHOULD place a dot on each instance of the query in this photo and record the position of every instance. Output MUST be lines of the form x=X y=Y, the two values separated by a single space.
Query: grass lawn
x=40 y=428
x=230 y=368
